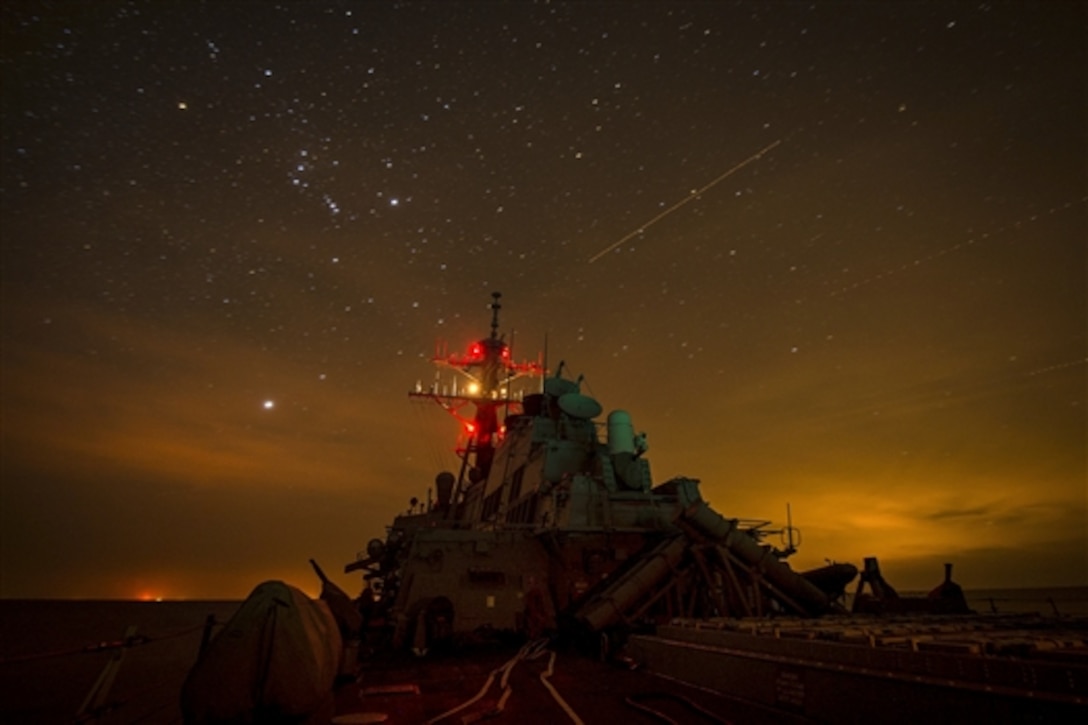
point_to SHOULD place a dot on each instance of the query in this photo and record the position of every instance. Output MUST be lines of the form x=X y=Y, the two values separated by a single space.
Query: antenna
x=495 y=307
x=544 y=365
x=787 y=534
x=789 y=527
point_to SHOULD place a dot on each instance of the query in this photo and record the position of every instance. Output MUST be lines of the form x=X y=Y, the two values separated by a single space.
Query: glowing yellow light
x=473 y=388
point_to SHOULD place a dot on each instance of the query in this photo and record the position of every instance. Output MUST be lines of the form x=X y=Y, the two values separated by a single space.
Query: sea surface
x=49 y=659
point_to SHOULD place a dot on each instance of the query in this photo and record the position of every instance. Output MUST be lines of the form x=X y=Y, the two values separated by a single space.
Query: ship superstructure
x=555 y=523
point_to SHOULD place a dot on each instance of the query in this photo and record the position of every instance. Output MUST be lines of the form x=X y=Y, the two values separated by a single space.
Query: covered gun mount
x=275 y=661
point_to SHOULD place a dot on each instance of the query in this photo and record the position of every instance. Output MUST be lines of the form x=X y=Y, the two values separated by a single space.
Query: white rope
x=470 y=701
x=530 y=651
x=558 y=698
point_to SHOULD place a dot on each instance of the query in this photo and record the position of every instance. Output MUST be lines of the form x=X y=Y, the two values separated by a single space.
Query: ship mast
x=482 y=383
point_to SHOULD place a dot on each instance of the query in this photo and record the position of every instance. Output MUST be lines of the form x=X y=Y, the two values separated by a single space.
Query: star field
x=827 y=255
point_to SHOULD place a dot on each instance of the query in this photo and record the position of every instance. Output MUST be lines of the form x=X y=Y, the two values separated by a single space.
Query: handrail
x=97 y=703
x=125 y=642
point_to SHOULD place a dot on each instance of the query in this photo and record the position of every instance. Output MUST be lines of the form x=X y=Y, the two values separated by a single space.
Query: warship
x=554 y=524
x=554 y=540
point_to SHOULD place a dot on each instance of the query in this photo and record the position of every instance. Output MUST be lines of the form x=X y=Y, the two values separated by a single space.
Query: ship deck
x=937 y=669
x=470 y=688
x=950 y=668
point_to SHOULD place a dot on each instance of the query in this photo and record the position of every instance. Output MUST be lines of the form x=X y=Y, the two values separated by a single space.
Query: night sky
x=233 y=232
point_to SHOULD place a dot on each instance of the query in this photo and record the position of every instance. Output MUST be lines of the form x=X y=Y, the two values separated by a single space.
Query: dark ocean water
x=44 y=675
x=1059 y=600
x=1046 y=601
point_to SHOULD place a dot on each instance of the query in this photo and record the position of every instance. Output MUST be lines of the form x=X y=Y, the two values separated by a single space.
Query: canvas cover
x=275 y=661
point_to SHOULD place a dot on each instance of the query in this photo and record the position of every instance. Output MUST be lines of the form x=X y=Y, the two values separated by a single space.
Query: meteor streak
x=953 y=248
x=754 y=157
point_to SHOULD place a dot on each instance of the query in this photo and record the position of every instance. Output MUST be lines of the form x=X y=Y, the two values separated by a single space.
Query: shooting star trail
x=698 y=192
x=973 y=241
